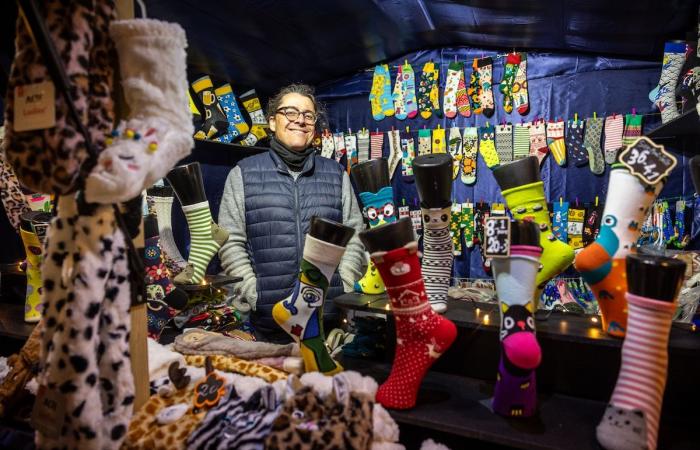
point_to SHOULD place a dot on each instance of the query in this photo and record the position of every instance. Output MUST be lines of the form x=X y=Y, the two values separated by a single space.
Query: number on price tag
x=497 y=237
x=651 y=163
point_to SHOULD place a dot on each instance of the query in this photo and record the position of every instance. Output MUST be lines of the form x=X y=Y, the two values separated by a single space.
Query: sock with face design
x=437 y=255
x=301 y=314
x=602 y=264
x=470 y=145
x=538 y=140
x=487 y=146
x=515 y=393
x=425 y=140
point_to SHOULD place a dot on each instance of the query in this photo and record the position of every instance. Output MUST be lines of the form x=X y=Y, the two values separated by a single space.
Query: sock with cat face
x=437 y=255
x=515 y=393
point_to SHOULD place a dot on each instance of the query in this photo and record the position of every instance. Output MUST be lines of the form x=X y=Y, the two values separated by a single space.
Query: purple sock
x=515 y=393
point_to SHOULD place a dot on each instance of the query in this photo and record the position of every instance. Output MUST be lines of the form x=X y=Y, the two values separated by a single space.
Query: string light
x=594 y=319
x=386 y=307
x=345 y=320
x=478 y=311
x=486 y=319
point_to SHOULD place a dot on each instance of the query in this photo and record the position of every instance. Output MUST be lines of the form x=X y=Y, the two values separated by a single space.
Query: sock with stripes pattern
x=437 y=255
x=376 y=142
x=555 y=141
x=504 y=143
x=633 y=128
x=362 y=145
x=521 y=140
x=613 y=137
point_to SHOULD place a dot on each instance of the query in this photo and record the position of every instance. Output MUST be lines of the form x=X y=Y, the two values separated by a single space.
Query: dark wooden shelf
x=687 y=124
x=220 y=154
x=12 y=322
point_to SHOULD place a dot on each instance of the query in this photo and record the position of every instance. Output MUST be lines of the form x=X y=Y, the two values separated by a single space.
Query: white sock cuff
x=196 y=206
x=325 y=253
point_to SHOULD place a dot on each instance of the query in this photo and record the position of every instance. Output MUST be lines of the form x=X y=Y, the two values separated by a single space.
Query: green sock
x=466 y=223
x=203 y=244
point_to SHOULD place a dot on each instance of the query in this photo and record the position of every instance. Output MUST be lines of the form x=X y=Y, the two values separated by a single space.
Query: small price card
x=649 y=162
x=497 y=237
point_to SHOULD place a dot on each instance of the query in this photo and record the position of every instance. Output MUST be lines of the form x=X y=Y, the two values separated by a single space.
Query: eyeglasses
x=292 y=114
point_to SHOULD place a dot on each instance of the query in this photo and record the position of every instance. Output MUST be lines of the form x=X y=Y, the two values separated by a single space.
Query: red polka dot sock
x=422 y=335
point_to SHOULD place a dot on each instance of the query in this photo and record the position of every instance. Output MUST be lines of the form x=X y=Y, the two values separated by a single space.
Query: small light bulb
x=386 y=307
x=345 y=320
x=594 y=319
x=486 y=319
x=693 y=327
x=478 y=311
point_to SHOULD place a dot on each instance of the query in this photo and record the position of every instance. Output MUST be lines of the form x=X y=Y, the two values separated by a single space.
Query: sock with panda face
x=515 y=393
x=437 y=255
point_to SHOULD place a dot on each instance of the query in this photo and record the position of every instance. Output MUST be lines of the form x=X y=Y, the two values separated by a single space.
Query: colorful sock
x=591 y=226
x=455 y=230
x=575 y=227
x=33 y=252
x=162 y=207
x=362 y=145
x=339 y=141
x=520 y=97
x=398 y=96
x=574 y=142
x=555 y=141
x=435 y=93
x=665 y=99
x=639 y=391
x=439 y=144
x=215 y=121
x=538 y=140
x=236 y=125
x=394 y=151
x=164 y=300
x=481 y=211
x=487 y=146
x=427 y=89
x=485 y=67
x=466 y=223
x=591 y=141
x=437 y=256
x=205 y=240
x=462 y=98
x=560 y=221
x=528 y=201
x=301 y=314
x=422 y=336
x=327 y=144
x=515 y=393
x=633 y=129
x=351 y=149
x=252 y=104
x=602 y=264
x=613 y=137
x=197 y=119
x=449 y=102
x=376 y=141
x=506 y=86
x=474 y=90
x=455 y=147
x=380 y=96
x=470 y=145
x=409 y=91
x=504 y=143
x=425 y=141
x=408 y=153
x=521 y=140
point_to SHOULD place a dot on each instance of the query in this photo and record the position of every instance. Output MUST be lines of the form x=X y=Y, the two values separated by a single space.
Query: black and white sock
x=161 y=200
x=437 y=256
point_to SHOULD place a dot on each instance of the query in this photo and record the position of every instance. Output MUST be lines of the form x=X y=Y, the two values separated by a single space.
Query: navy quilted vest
x=278 y=211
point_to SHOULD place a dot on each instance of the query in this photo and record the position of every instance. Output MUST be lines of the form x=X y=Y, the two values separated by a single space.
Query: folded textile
x=237 y=365
x=201 y=342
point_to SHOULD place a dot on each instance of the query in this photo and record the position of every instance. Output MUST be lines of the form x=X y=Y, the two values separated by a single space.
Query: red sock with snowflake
x=422 y=335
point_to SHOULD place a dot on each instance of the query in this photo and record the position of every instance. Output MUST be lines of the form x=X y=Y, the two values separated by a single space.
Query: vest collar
x=283 y=168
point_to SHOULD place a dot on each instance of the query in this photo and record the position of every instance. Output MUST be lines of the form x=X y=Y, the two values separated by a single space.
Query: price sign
x=497 y=237
x=651 y=163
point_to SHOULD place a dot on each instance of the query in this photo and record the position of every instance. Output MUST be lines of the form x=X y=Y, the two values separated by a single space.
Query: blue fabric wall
x=559 y=86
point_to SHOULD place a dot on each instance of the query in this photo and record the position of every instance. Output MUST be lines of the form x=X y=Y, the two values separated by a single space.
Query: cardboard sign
x=649 y=162
x=497 y=237
x=48 y=412
x=35 y=106
x=209 y=391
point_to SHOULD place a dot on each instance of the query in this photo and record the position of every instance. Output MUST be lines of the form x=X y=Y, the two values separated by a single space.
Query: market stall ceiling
x=268 y=43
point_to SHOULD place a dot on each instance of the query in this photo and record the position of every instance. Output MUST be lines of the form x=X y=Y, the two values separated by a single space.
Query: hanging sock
x=327 y=144
x=470 y=145
x=481 y=212
x=215 y=121
x=376 y=140
x=466 y=223
x=538 y=140
x=613 y=137
x=455 y=147
x=455 y=230
x=521 y=140
x=449 y=102
x=398 y=96
x=33 y=252
x=258 y=129
x=602 y=264
x=575 y=227
x=162 y=200
x=520 y=97
x=504 y=142
x=485 y=67
x=435 y=94
x=680 y=238
x=664 y=94
x=206 y=238
x=506 y=86
x=555 y=141
x=474 y=91
x=439 y=145
x=351 y=149
x=363 y=140
x=592 y=224
x=633 y=129
x=236 y=125
x=574 y=142
x=428 y=101
x=437 y=256
x=409 y=91
x=591 y=141
x=380 y=95
x=463 y=106
x=487 y=146
x=560 y=221
x=425 y=141
x=339 y=141
x=408 y=153
x=394 y=151
x=197 y=119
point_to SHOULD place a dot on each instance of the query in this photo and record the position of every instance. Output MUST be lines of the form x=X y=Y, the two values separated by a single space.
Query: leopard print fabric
x=50 y=160
x=85 y=358
x=13 y=200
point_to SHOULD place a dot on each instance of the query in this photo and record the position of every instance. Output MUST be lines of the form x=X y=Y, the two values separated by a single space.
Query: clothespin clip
x=596 y=200
x=487 y=124
x=377 y=130
x=438 y=127
x=408 y=130
x=577 y=202
x=403 y=202
x=575 y=117
x=405 y=62
x=561 y=201
x=634 y=111
x=349 y=130
x=595 y=115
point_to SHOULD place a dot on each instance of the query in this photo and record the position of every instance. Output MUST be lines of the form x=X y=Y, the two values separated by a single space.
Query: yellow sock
x=32 y=305
x=371 y=283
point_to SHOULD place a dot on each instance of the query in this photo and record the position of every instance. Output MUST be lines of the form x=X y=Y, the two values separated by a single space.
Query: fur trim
x=432 y=445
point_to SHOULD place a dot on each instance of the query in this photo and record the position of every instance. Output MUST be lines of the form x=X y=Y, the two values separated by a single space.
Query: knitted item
x=506 y=87
x=395 y=152
x=22 y=369
x=463 y=106
x=521 y=140
x=560 y=221
x=259 y=129
x=575 y=227
x=470 y=145
x=466 y=223
x=633 y=129
x=215 y=123
x=363 y=140
x=425 y=141
x=376 y=140
x=455 y=148
x=398 y=96
x=409 y=91
x=439 y=141
x=504 y=143
x=13 y=200
x=520 y=98
x=379 y=209
x=163 y=298
x=351 y=149
x=162 y=207
x=232 y=364
x=455 y=230
x=437 y=256
x=591 y=141
x=422 y=336
x=339 y=142
x=574 y=142
x=591 y=226
x=538 y=141
x=485 y=68
x=449 y=102
x=428 y=101
x=33 y=252
x=613 y=137
x=665 y=99
x=474 y=90
x=487 y=146
x=555 y=141
x=408 y=153
x=237 y=126
x=380 y=94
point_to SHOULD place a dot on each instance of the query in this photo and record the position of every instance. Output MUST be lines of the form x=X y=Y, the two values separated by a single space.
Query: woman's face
x=297 y=134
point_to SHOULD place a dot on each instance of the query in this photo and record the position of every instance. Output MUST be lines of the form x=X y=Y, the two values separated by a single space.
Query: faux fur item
x=201 y=342
x=159 y=359
x=432 y=445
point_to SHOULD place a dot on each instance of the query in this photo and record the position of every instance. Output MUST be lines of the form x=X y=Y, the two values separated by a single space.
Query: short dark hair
x=301 y=89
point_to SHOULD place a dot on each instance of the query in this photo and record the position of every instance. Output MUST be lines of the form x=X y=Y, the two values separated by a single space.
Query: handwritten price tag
x=649 y=162
x=35 y=106
x=497 y=237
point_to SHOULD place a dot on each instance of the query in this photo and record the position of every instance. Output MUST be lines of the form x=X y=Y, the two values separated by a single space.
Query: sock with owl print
x=422 y=335
x=437 y=255
x=515 y=393
x=602 y=263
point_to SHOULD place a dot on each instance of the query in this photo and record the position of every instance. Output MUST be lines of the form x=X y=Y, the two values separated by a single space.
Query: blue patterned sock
x=560 y=221
x=236 y=125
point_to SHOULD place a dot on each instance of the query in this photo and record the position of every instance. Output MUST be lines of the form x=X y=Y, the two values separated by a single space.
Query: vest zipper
x=298 y=220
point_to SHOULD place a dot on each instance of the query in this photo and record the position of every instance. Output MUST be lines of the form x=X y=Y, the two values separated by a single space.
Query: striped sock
x=437 y=256
x=613 y=137
x=363 y=145
x=521 y=140
x=504 y=143
x=633 y=129
x=162 y=207
x=631 y=419
x=202 y=244
x=376 y=144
